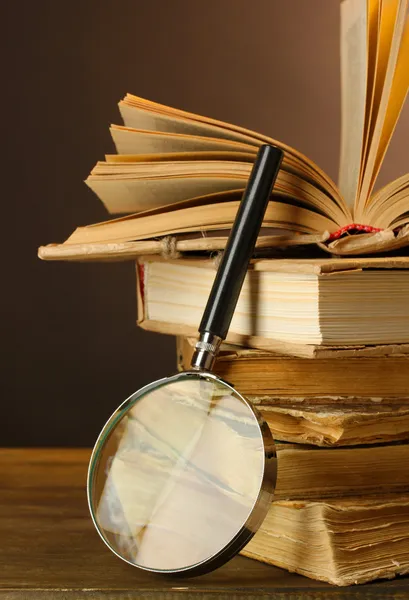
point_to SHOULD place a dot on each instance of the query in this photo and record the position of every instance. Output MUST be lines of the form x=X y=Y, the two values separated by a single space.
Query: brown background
x=71 y=352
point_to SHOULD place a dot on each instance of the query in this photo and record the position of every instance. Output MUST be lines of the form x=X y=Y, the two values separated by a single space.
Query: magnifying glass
x=184 y=471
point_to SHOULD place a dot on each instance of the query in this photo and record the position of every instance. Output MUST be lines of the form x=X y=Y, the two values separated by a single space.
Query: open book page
x=353 y=95
x=380 y=34
x=140 y=113
x=134 y=145
x=130 y=196
x=139 y=141
x=373 y=24
x=389 y=95
x=197 y=219
x=136 y=186
x=399 y=91
x=385 y=200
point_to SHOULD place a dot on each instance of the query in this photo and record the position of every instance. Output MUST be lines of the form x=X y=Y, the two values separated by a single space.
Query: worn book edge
x=322 y=527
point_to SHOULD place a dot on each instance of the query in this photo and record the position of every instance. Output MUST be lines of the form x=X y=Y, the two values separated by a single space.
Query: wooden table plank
x=50 y=550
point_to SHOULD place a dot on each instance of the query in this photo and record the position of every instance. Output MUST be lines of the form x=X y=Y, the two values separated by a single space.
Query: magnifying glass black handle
x=240 y=245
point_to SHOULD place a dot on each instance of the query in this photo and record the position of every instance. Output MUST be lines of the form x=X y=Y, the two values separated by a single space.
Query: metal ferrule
x=206 y=350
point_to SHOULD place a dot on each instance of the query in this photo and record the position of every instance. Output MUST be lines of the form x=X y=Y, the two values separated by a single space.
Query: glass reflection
x=176 y=473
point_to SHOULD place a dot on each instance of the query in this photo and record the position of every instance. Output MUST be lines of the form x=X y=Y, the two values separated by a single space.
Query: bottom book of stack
x=341 y=507
x=346 y=541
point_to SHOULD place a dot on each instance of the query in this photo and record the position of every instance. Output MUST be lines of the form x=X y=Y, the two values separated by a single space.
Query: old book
x=337 y=423
x=312 y=401
x=310 y=477
x=342 y=541
x=285 y=305
x=266 y=375
x=306 y=472
x=191 y=170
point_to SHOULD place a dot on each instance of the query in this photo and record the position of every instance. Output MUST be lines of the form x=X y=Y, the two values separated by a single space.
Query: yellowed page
x=187 y=119
x=145 y=145
x=136 y=186
x=127 y=196
x=137 y=141
x=141 y=118
x=374 y=17
x=394 y=212
x=399 y=91
x=353 y=95
x=198 y=218
x=180 y=157
x=381 y=137
x=386 y=18
x=385 y=197
x=140 y=113
x=386 y=21
x=155 y=169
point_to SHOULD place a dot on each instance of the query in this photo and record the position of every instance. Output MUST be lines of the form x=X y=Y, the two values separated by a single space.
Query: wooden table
x=49 y=548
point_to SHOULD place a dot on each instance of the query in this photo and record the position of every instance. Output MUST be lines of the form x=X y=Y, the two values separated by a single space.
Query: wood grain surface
x=49 y=548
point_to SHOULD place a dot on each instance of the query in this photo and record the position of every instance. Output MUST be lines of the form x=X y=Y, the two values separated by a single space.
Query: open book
x=180 y=174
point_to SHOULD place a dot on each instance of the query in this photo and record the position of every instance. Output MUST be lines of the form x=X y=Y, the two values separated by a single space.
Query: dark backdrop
x=71 y=352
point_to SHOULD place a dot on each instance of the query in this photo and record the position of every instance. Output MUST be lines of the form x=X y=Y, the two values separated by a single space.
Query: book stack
x=329 y=372
x=341 y=507
x=320 y=337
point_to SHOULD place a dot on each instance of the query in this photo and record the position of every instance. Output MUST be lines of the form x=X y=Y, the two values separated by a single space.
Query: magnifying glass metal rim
x=260 y=506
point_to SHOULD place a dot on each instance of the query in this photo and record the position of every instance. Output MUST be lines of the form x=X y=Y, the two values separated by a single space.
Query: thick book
x=342 y=541
x=337 y=423
x=312 y=401
x=179 y=173
x=291 y=306
x=306 y=471
x=268 y=377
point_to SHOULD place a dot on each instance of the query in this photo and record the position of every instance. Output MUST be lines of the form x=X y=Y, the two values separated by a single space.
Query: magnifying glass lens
x=176 y=473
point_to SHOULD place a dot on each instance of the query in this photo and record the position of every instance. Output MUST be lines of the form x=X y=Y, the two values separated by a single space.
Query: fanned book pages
x=181 y=174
